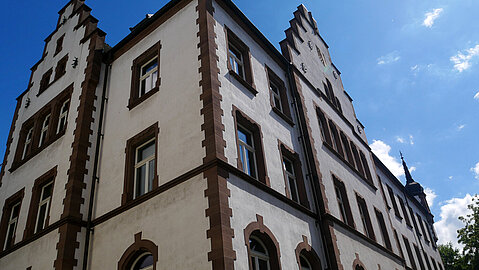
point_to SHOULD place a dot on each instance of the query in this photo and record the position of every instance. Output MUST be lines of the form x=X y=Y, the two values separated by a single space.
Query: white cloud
x=389 y=58
x=412 y=169
x=400 y=139
x=461 y=127
x=413 y=68
x=381 y=150
x=447 y=227
x=462 y=59
x=430 y=196
x=475 y=170
x=451 y=177
x=411 y=140
x=476 y=96
x=431 y=17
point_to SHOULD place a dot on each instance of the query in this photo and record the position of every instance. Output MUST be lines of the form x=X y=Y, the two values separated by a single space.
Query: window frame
x=59 y=44
x=132 y=144
x=32 y=218
x=63 y=115
x=348 y=216
x=365 y=217
x=392 y=196
x=284 y=110
x=383 y=228
x=138 y=63
x=61 y=68
x=242 y=120
x=293 y=157
x=144 y=162
x=45 y=81
x=247 y=80
x=45 y=129
x=259 y=230
x=404 y=212
x=10 y=203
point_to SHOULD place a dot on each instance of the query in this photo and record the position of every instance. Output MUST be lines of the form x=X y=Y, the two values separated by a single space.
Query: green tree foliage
x=469 y=235
x=451 y=257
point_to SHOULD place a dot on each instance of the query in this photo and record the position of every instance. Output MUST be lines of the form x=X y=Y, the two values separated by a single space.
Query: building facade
x=194 y=143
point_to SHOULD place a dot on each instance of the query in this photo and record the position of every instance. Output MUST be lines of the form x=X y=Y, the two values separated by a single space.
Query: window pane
x=146 y=151
x=11 y=232
x=151 y=174
x=256 y=246
x=253 y=262
x=251 y=164
x=42 y=212
x=140 y=180
x=149 y=67
x=288 y=166
x=236 y=53
x=145 y=262
x=292 y=187
x=15 y=211
x=277 y=102
x=263 y=265
x=47 y=191
x=242 y=136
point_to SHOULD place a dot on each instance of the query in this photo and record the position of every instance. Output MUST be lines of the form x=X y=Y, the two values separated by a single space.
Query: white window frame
x=138 y=258
x=12 y=220
x=275 y=95
x=63 y=115
x=293 y=176
x=235 y=60
x=247 y=147
x=145 y=76
x=144 y=162
x=28 y=142
x=46 y=201
x=44 y=131
x=257 y=255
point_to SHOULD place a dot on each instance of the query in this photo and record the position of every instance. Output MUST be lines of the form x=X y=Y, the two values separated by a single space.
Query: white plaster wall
x=39 y=254
x=174 y=220
x=287 y=224
x=317 y=73
x=176 y=107
x=58 y=153
x=369 y=255
x=258 y=107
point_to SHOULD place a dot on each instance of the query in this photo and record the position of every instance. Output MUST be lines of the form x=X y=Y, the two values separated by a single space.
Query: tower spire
x=409 y=179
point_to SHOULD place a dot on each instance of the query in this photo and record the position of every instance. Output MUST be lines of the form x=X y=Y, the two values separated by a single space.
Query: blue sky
x=410 y=66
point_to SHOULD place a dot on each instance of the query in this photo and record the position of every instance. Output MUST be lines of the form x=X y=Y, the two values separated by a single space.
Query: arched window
x=307 y=257
x=143 y=262
x=259 y=254
x=358 y=267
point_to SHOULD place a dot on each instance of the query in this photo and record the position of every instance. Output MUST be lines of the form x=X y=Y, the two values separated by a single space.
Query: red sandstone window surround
x=9 y=221
x=293 y=176
x=365 y=218
x=343 y=202
x=239 y=61
x=145 y=77
x=141 y=159
x=278 y=96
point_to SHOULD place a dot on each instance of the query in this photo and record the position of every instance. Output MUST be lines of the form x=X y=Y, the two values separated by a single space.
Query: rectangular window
x=426 y=258
x=409 y=253
x=393 y=201
x=239 y=64
x=404 y=211
x=366 y=167
x=61 y=68
x=45 y=81
x=365 y=218
x=144 y=168
x=247 y=151
x=44 y=207
x=44 y=130
x=384 y=231
x=63 y=117
x=347 y=148
x=40 y=203
x=59 y=46
x=359 y=165
x=423 y=230
x=434 y=263
x=343 y=202
x=9 y=222
x=401 y=253
x=141 y=174
x=323 y=127
x=293 y=176
x=414 y=221
x=145 y=78
x=278 y=96
x=419 y=258
x=249 y=147
x=336 y=140
x=27 y=148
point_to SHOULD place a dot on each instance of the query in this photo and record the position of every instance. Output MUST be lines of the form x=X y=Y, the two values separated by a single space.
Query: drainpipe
x=302 y=137
x=94 y=178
